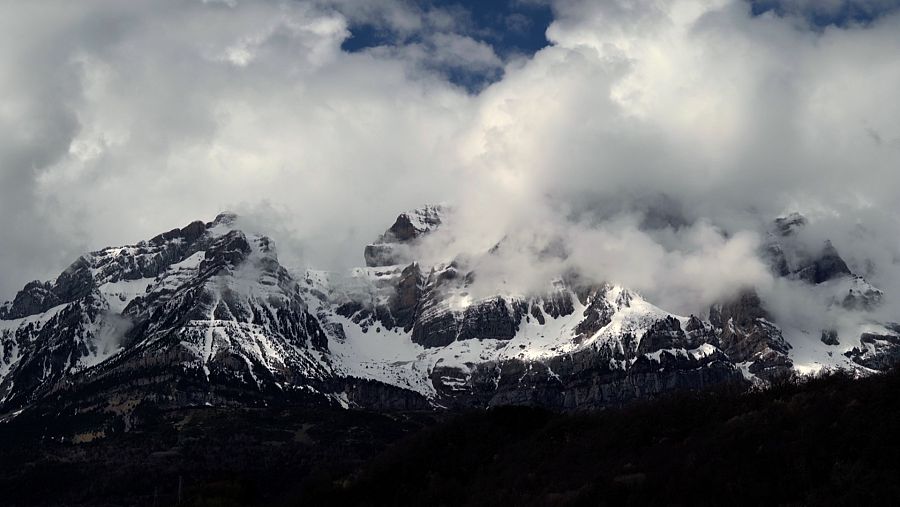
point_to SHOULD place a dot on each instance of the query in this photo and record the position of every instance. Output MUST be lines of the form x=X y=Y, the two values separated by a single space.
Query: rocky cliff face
x=746 y=335
x=206 y=314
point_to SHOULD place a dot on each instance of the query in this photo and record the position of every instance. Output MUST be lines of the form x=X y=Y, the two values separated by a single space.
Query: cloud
x=683 y=272
x=651 y=143
x=132 y=118
x=688 y=113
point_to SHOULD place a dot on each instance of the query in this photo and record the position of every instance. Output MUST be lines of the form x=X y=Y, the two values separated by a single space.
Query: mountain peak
x=225 y=218
x=790 y=223
x=393 y=246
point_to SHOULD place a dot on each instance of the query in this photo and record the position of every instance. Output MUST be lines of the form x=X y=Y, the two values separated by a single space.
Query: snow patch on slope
x=390 y=356
x=119 y=294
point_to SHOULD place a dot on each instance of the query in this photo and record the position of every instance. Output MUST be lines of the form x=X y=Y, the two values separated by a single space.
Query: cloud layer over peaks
x=650 y=142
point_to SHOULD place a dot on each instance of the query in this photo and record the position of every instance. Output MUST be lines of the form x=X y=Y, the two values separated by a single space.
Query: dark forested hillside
x=826 y=441
x=832 y=440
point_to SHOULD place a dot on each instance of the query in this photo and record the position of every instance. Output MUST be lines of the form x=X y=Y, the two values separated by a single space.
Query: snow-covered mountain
x=206 y=314
x=206 y=304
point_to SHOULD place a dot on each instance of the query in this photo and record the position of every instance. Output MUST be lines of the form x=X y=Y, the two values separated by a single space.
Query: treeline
x=823 y=441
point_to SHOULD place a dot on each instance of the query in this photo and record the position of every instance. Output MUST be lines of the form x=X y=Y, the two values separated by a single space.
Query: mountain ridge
x=206 y=314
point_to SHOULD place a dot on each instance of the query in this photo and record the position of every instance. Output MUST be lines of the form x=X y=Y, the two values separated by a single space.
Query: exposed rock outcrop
x=877 y=351
x=747 y=335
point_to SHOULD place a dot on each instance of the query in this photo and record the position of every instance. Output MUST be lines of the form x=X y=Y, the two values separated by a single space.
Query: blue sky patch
x=823 y=14
x=510 y=28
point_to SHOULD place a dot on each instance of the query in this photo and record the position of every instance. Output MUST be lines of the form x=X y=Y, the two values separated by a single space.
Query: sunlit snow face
x=129 y=118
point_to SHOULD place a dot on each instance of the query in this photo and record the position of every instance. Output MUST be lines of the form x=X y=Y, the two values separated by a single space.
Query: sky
x=645 y=142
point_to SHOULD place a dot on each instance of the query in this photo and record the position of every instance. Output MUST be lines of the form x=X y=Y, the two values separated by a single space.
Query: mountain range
x=207 y=315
